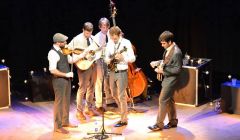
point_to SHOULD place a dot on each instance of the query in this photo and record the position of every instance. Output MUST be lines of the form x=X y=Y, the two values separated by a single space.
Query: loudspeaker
x=230 y=98
x=5 y=100
x=194 y=84
x=41 y=85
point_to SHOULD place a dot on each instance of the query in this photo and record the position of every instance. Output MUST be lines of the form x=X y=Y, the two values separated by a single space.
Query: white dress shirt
x=128 y=55
x=80 y=42
x=53 y=58
x=101 y=39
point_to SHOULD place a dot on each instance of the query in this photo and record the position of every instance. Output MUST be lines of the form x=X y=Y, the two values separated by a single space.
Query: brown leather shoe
x=80 y=116
x=90 y=113
x=61 y=130
x=100 y=110
x=70 y=125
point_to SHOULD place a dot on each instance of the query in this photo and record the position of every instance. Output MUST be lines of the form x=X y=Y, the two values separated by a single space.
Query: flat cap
x=58 y=37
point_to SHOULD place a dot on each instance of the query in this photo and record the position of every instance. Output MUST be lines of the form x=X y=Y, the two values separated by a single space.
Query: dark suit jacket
x=172 y=69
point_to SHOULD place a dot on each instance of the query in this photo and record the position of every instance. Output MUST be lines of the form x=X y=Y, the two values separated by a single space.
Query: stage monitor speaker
x=194 y=87
x=41 y=85
x=5 y=100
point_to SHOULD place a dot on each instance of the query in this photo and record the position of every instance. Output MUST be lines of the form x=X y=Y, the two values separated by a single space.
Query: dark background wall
x=203 y=28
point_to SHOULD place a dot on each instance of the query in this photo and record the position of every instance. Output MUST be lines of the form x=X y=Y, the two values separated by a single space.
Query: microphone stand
x=102 y=134
x=71 y=69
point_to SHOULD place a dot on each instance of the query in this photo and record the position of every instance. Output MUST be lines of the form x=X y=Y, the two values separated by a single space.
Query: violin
x=67 y=51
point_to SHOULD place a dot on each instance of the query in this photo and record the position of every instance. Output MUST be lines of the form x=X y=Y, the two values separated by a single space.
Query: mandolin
x=113 y=63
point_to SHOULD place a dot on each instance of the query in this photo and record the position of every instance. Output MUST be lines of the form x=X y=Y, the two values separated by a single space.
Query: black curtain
x=202 y=28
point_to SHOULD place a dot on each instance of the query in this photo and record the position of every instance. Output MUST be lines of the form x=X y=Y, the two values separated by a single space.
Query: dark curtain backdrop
x=202 y=28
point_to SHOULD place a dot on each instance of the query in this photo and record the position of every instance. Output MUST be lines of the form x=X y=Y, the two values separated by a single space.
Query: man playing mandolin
x=120 y=51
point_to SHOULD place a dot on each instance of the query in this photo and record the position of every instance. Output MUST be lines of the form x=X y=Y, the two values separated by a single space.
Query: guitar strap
x=116 y=49
x=95 y=42
x=169 y=56
x=165 y=61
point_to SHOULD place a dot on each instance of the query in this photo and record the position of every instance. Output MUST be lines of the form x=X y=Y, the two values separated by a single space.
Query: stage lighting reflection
x=45 y=69
x=229 y=76
x=31 y=72
x=3 y=60
x=206 y=72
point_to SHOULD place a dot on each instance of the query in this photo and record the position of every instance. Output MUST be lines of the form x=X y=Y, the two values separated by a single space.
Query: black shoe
x=170 y=125
x=120 y=124
x=155 y=127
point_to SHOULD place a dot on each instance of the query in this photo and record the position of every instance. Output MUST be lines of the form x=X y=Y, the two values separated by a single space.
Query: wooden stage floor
x=34 y=121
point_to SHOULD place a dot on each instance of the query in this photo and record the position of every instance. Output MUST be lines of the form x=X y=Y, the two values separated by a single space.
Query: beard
x=62 y=46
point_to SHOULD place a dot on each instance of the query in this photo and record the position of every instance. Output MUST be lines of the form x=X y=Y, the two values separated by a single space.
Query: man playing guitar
x=86 y=77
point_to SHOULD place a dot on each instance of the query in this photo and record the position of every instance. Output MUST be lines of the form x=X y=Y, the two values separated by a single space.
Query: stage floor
x=34 y=121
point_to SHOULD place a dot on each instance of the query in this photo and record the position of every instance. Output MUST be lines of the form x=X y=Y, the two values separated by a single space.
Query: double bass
x=137 y=81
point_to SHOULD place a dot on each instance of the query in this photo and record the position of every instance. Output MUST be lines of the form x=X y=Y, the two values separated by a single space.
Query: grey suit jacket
x=172 y=69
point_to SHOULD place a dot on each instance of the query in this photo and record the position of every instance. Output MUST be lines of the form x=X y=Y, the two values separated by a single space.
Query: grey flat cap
x=58 y=37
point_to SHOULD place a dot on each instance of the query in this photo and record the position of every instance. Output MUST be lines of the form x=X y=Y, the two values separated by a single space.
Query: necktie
x=106 y=39
x=88 y=42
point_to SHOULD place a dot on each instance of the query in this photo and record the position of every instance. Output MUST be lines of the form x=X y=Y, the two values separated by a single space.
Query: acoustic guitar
x=94 y=54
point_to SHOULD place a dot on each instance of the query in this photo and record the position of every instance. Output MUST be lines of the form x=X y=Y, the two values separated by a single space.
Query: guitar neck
x=121 y=51
x=113 y=11
x=114 y=21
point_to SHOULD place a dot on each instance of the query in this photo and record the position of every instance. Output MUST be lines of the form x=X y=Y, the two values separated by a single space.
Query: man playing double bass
x=119 y=50
x=102 y=80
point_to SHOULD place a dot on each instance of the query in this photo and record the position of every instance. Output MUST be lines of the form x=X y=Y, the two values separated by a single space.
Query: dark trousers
x=62 y=91
x=166 y=106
